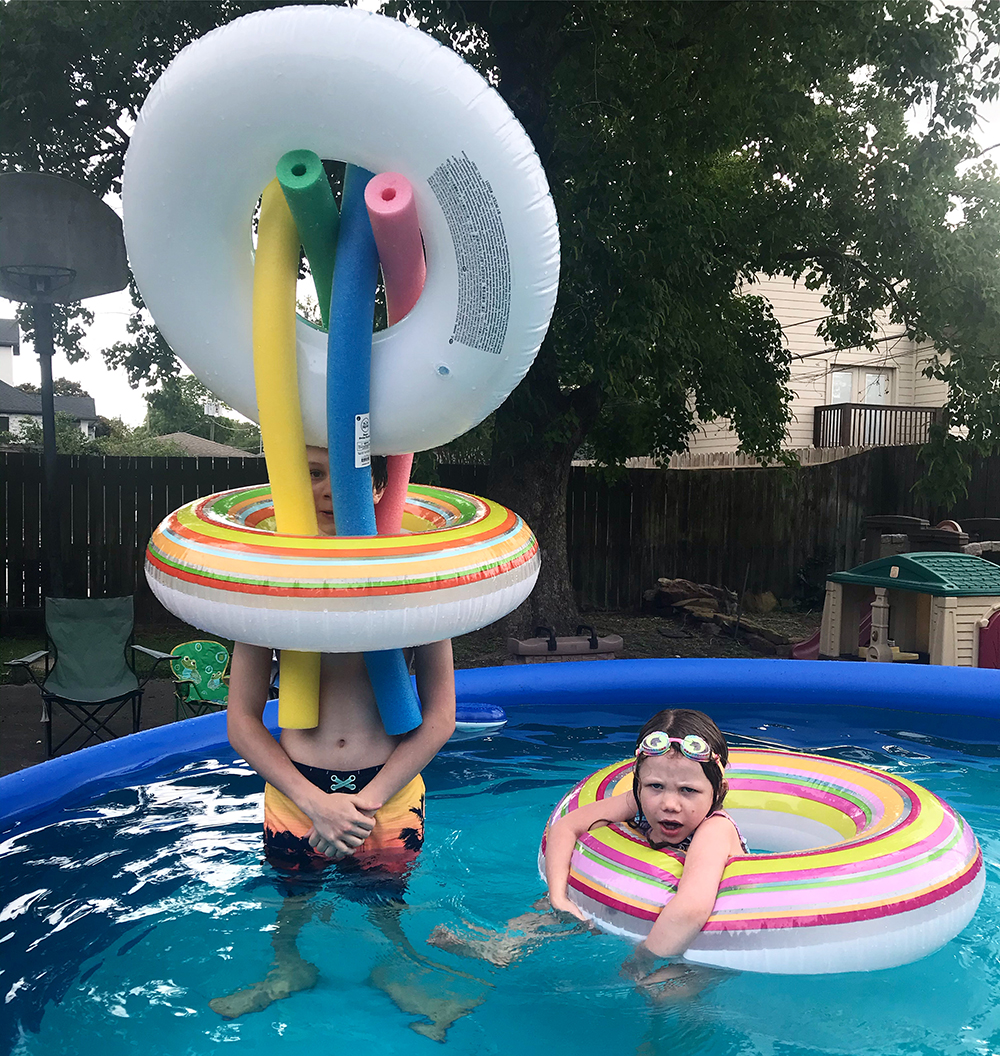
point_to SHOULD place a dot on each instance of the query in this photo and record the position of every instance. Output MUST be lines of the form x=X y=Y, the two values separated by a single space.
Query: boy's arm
x=336 y=818
x=435 y=671
x=562 y=837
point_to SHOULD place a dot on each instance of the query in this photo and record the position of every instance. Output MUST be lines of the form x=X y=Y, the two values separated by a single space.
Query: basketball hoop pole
x=59 y=243
x=52 y=534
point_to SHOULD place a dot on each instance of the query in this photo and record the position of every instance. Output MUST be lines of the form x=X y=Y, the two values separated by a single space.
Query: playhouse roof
x=940 y=573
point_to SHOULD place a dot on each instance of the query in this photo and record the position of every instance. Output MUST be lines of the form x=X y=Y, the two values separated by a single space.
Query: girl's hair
x=679 y=722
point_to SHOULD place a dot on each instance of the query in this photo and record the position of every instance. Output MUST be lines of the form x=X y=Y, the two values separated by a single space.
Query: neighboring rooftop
x=199 y=447
x=10 y=335
x=940 y=573
x=17 y=401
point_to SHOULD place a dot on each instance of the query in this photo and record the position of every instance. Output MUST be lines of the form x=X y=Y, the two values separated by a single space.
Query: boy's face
x=319 y=476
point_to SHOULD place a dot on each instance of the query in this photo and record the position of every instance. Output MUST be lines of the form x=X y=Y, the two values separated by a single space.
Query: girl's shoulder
x=722 y=815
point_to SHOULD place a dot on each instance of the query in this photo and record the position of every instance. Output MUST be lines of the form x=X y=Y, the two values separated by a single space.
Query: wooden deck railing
x=872 y=425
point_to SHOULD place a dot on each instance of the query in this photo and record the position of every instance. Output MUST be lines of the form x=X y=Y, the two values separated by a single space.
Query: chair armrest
x=157 y=658
x=154 y=653
x=24 y=663
x=27 y=660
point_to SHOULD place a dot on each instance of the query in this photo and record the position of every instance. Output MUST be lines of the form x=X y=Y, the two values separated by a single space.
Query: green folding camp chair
x=200 y=674
x=89 y=666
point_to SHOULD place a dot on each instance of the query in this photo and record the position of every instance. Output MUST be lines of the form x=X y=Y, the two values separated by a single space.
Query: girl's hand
x=339 y=826
x=638 y=964
x=561 y=904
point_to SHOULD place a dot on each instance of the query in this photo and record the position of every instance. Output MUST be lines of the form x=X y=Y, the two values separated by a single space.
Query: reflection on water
x=122 y=918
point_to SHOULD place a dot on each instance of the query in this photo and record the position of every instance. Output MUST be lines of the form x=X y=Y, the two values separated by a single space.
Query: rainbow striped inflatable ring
x=465 y=563
x=869 y=870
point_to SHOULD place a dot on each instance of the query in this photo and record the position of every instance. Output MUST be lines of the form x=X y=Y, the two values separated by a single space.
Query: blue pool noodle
x=348 y=371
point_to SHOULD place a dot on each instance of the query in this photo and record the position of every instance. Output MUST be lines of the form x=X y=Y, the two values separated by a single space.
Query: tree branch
x=820 y=252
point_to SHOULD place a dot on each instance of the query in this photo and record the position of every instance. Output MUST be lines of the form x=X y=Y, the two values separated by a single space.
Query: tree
x=178 y=406
x=60 y=387
x=74 y=78
x=690 y=148
x=114 y=438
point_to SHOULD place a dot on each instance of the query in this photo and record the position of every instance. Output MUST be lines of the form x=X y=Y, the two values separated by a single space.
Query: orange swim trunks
x=389 y=851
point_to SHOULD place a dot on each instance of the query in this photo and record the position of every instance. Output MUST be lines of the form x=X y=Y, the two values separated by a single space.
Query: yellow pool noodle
x=276 y=376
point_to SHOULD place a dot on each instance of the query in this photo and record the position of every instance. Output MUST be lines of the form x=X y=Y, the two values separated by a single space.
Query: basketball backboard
x=58 y=241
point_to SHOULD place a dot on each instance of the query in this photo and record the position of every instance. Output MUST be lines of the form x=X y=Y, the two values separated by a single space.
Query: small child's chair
x=199 y=670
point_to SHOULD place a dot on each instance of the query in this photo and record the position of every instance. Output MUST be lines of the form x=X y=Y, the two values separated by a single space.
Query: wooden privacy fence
x=787 y=527
x=707 y=525
x=109 y=508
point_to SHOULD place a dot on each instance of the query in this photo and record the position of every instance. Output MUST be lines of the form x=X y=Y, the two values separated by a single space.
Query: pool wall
x=542 y=688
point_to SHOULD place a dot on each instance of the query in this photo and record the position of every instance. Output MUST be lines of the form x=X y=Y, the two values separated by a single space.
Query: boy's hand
x=339 y=827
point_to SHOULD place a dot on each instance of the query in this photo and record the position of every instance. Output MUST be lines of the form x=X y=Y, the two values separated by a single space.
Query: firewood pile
x=701 y=600
x=717 y=610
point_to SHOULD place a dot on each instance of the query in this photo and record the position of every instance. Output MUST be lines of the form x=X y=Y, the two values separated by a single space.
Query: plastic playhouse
x=937 y=608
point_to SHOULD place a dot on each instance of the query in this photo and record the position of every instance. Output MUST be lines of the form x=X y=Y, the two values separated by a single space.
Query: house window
x=876 y=387
x=861 y=385
x=842 y=386
x=4 y=423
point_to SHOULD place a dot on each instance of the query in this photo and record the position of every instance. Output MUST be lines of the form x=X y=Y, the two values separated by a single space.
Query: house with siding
x=17 y=406
x=843 y=398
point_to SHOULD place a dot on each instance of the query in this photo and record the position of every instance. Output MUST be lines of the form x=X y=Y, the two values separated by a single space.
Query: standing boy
x=343 y=792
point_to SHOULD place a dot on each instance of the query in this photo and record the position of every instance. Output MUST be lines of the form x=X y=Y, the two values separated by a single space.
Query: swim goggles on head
x=692 y=746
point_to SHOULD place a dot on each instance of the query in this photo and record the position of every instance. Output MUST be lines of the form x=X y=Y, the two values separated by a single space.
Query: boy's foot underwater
x=282 y=981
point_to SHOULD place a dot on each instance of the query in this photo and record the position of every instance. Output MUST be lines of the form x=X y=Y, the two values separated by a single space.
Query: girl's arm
x=685 y=914
x=562 y=837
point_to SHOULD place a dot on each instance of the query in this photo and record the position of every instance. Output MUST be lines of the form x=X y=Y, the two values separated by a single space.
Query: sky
x=113 y=395
x=110 y=389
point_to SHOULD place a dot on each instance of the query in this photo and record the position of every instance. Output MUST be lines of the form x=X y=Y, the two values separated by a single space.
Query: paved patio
x=22 y=735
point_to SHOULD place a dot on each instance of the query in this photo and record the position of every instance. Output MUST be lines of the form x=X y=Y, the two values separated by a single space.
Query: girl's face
x=675 y=796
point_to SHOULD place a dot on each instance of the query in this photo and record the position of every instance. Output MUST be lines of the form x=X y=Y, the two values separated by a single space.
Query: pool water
x=121 y=919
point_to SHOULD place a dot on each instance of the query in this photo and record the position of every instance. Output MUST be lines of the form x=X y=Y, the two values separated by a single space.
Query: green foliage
x=60 y=387
x=75 y=75
x=947 y=472
x=114 y=438
x=472 y=448
x=69 y=323
x=178 y=406
x=690 y=148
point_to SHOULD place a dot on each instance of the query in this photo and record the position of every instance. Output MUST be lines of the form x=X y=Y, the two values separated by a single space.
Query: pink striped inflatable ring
x=463 y=563
x=867 y=870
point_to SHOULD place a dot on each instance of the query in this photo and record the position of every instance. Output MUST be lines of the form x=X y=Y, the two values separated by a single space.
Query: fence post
x=846 y=416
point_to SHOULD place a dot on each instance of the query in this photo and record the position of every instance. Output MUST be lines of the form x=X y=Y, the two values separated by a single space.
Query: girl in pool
x=678 y=789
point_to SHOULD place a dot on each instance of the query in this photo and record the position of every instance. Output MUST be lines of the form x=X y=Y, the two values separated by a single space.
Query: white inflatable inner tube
x=360 y=88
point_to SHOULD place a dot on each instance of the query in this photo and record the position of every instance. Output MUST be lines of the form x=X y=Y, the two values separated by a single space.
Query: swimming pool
x=122 y=918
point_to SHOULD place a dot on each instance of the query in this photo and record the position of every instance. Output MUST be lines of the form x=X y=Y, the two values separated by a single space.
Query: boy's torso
x=350 y=733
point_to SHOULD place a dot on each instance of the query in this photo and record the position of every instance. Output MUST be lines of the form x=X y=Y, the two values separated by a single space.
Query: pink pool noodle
x=393 y=215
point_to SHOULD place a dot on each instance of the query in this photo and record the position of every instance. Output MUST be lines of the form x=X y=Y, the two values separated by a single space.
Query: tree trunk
x=540 y=426
x=535 y=488
x=529 y=473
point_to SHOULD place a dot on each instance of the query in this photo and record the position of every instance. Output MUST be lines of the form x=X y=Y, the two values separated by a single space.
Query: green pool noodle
x=310 y=199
